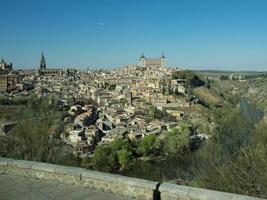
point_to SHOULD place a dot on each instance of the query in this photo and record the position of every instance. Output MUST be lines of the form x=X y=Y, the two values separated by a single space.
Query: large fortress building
x=152 y=62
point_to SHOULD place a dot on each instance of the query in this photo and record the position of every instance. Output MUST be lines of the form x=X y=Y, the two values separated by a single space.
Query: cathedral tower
x=42 y=62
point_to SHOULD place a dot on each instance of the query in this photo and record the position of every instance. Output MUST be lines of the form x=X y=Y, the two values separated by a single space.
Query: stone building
x=7 y=81
x=5 y=66
x=42 y=70
x=3 y=82
x=152 y=62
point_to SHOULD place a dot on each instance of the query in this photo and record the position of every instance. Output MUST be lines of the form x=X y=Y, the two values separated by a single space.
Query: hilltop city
x=121 y=101
x=152 y=100
x=129 y=102
x=135 y=119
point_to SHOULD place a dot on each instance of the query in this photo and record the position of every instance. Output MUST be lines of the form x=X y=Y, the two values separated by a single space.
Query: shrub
x=235 y=159
x=176 y=141
x=149 y=145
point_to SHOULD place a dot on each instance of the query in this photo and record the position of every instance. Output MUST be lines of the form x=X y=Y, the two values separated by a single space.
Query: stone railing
x=179 y=192
x=111 y=183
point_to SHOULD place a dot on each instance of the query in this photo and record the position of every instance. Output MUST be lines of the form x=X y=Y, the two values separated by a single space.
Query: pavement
x=24 y=188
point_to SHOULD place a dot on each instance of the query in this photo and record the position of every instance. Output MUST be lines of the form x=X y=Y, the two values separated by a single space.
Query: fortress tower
x=162 y=60
x=142 y=61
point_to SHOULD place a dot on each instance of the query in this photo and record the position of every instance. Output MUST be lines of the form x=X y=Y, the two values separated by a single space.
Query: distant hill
x=230 y=72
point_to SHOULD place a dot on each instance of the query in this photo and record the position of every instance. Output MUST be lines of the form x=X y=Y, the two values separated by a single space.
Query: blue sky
x=197 y=34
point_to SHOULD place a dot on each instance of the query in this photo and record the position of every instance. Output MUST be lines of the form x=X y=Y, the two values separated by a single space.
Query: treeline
x=259 y=75
x=36 y=137
x=36 y=134
x=119 y=153
x=191 y=79
x=6 y=101
x=235 y=159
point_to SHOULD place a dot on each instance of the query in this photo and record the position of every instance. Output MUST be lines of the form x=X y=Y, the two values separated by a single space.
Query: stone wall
x=179 y=192
x=111 y=183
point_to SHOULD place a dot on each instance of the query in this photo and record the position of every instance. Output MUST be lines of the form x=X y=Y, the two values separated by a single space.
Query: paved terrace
x=20 y=179
x=22 y=188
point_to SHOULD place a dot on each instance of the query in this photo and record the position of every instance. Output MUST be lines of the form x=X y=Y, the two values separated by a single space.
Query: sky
x=195 y=34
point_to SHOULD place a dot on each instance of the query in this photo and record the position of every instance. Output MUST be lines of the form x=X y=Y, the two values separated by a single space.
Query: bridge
x=22 y=179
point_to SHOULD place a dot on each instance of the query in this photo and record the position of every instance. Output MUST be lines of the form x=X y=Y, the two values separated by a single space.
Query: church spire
x=42 y=62
x=163 y=56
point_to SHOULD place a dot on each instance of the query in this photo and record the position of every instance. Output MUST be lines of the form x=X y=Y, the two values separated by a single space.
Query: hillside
x=208 y=96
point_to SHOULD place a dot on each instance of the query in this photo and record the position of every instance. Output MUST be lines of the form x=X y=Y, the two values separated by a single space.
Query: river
x=169 y=168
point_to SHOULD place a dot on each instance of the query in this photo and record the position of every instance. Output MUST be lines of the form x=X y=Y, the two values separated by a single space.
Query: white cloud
x=100 y=23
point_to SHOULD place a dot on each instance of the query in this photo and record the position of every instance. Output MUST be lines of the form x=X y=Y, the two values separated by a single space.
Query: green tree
x=105 y=159
x=149 y=145
x=123 y=157
x=235 y=159
x=112 y=156
x=176 y=140
x=190 y=78
x=118 y=144
x=224 y=77
x=85 y=163
x=33 y=136
x=154 y=113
